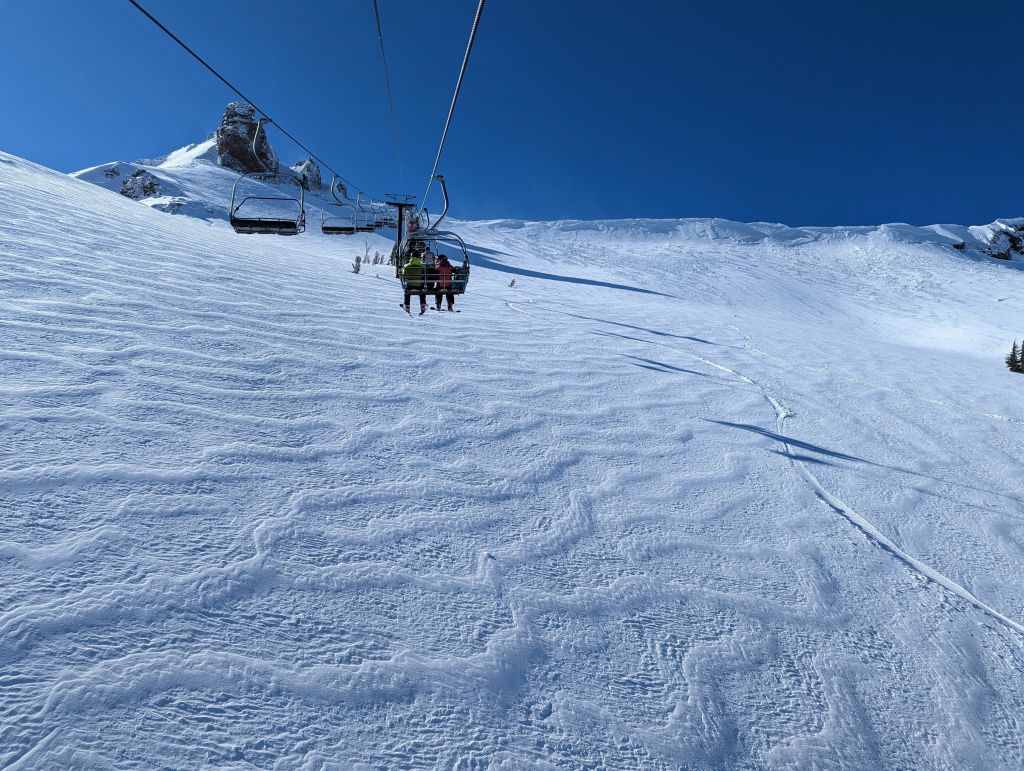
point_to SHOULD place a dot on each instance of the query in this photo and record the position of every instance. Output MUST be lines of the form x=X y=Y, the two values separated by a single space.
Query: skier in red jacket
x=443 y=273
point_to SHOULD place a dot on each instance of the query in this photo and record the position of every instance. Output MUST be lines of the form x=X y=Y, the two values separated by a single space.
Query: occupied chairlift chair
x=248 y=219
x=426 y=237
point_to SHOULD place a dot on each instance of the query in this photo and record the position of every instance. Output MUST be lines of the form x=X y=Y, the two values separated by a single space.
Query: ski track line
x=876 y=536
x=873 y=534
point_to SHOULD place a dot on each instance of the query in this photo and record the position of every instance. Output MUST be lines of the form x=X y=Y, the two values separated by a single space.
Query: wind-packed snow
x=690 y=494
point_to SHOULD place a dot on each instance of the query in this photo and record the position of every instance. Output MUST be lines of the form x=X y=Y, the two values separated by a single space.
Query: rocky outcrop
x=1008 y=244
x=141 y=184
x=309 y=174
x=235 y=142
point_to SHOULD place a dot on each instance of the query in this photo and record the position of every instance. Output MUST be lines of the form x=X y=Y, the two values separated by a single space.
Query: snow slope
x=684 y=497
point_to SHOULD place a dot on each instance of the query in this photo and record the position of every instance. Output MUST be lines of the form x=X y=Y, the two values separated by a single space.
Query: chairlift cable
x=455 y=98
x=391 y=98
x=227 y=83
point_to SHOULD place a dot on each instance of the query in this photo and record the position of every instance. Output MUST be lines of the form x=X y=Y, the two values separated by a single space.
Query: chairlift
x=427 y=241
x=340 y=218
x=287 y=213
x=383 y=216
x=427 y=245
x=334 y=221
x=365 y=221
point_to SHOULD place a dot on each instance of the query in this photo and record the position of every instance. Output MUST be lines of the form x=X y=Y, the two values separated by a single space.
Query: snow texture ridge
x=690 y=494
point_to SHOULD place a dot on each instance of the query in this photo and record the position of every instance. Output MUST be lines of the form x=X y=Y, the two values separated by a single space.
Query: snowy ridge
x=681 y=230
x=252 y=515
x=195 y=185
x=191 y=183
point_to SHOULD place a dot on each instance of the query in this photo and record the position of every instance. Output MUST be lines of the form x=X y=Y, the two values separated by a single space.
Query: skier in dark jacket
x=412 y=277
x=444 y=283
x=429 y=270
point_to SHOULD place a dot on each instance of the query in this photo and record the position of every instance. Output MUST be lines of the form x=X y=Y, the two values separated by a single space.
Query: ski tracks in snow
x=253 y=517
x=873 y=534
x=869 y=530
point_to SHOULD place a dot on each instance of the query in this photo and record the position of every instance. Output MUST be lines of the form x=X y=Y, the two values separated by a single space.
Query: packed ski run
x=666 y=494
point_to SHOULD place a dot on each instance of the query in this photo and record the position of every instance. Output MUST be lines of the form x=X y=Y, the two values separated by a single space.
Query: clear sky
x=823 y=112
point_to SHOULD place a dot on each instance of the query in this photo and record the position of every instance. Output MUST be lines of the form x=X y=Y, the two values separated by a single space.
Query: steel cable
x=249 y=101
x=455 y=98
x=391 y=98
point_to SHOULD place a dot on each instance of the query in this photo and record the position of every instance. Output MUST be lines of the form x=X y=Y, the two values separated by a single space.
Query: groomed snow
x=690 y=494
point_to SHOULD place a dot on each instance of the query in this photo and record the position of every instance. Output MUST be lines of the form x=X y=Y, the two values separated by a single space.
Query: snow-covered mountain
x=197 y=180
x=690 y=494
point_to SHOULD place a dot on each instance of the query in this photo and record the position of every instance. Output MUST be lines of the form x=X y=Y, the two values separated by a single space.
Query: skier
x=429 y=260
x=412 y=273
x=444 y=283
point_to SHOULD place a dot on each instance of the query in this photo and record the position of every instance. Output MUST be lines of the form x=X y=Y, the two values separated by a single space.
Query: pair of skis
x=423 y=309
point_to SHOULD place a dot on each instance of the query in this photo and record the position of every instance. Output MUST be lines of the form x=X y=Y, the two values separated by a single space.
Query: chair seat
x=266 y=226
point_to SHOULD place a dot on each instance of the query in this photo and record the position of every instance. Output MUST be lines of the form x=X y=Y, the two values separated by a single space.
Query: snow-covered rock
x=140 y=184
x=191 y=181
x=308 y=173
x=1006 y=241
x=238 y=128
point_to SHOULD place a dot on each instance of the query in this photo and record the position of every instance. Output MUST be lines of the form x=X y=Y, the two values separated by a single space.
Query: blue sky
x=845 y=111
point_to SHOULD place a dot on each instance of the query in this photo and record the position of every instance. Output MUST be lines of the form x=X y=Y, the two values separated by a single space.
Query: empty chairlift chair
x=271 y=213
x=258 y=205
x=345 y=217
x=366 y=222
x=382 y=217
x=338 y=219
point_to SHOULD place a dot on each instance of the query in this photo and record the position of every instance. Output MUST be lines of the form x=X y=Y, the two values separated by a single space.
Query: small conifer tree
x=1015 y=359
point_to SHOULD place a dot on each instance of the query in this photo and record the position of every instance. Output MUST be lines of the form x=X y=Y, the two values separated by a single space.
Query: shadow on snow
x=480 y=260
x=791 y=442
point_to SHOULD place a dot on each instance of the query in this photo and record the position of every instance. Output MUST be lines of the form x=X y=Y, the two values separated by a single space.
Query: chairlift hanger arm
x=255 y=140
x=444 y=190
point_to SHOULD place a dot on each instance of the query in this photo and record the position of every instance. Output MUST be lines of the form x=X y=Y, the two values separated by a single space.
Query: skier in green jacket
x=412 y=279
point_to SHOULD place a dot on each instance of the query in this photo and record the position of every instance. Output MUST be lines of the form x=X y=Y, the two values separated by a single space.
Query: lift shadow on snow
x=660 y=366
x=791 y=442
x=649 y=331
x=493 y=264
x=797 y=443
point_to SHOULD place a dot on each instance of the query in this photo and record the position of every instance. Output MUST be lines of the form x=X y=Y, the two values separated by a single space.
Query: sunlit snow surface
x=689 y=495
